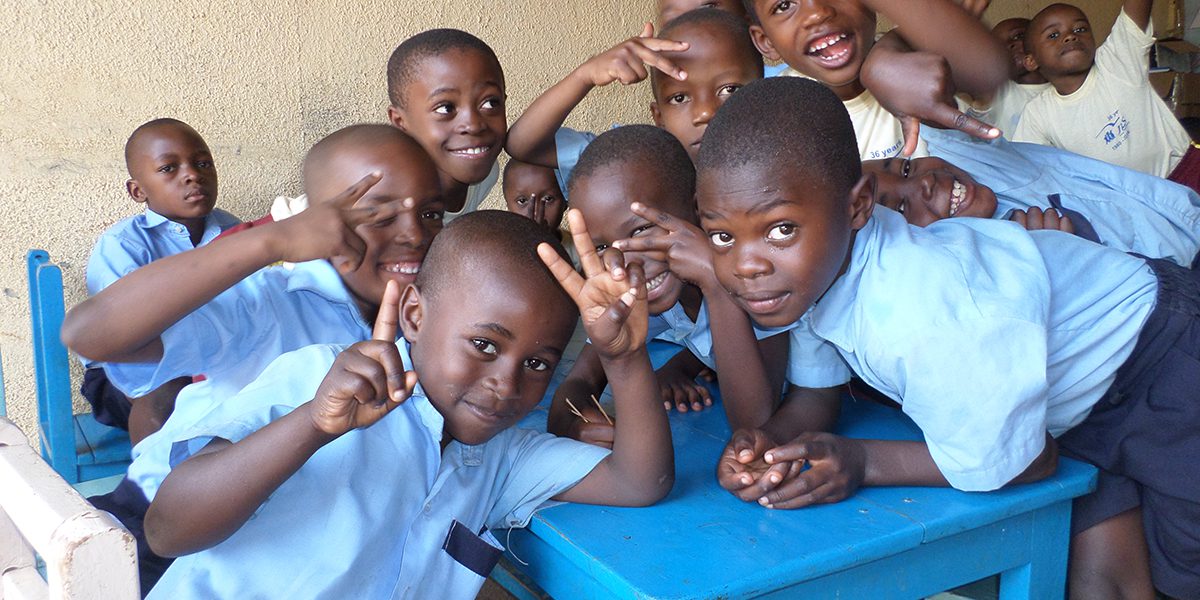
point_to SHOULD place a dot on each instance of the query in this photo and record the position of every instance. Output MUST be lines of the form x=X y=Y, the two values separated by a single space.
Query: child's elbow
x=651 y=494
x=159 y=536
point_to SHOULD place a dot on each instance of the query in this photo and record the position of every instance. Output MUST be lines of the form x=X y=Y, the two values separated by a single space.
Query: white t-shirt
x=878 y=131
x=1006 y=108
x=1115 y=116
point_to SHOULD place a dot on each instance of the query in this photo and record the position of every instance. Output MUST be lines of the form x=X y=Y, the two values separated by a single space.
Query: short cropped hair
x=725 y=22
x=142 y=130
x=350 y=138
x=785 y=123
x=638 y=144
x=408 y=56
x=502 y=241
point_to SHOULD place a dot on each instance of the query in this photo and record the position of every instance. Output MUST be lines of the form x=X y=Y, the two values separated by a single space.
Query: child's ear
x=135 y=191
x=396 y=118
x=411 y=312
x=655 y=113
x=862 y=201
x=763 y=43
x=1031 y=63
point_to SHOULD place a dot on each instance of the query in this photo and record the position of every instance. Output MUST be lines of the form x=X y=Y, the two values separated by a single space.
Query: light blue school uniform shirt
x=569 y=146
x=676 y=327
x=141 y=239
x=1128 y=210
x=988 y=335
x=367 y=515
x=232 y=338
x=137 y=241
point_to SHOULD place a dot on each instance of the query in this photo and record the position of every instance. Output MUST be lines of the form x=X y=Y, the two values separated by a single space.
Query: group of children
x=317 y=383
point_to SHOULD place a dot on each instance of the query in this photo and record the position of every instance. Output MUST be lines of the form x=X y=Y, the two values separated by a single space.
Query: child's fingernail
x=408 y=202
x=635 y=206
x=770 y=457
x=628 y=298
x=763 y=501
x=774 y=478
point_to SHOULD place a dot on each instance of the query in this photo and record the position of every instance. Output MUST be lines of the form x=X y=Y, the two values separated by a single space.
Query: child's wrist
x=624 y=359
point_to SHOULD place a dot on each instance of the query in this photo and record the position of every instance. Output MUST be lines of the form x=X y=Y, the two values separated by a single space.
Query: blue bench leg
x=1045 y=576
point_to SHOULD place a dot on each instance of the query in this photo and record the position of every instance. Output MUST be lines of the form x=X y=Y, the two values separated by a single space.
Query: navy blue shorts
x=1144 y=435
x=109 y=405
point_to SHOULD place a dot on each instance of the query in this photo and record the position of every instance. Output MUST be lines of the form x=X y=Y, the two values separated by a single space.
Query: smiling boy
x=447 y=91
x=1102 y=104
x=404 y=483
x=1003 y=345
x=1035 y=185
x=830 y=41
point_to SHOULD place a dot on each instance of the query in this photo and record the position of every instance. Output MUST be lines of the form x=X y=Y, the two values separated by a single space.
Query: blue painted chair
x=76 y=446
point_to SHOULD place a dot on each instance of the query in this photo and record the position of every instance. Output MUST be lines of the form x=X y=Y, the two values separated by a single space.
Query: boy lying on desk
x=337 y=474
x=1005 y=346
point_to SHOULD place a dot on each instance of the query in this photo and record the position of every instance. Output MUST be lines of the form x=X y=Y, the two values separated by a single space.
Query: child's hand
x=743 y=469
x=684 y=246
x=626 y=62
x=596 y=430
x=368 y=379
x=917 y=86
x=1035 y=218
x=611 y=301
x=326 y=230
x=837 y=466
x=679 y=387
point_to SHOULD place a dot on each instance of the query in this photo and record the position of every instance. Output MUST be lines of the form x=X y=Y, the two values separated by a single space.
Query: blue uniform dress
x=569 y=146
x=372 y=514
x=126 y=246
x=1126 y=209
x=991 y=336
x=674 y=326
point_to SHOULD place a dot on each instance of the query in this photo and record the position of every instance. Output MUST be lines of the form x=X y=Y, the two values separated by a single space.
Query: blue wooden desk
x=898 y=542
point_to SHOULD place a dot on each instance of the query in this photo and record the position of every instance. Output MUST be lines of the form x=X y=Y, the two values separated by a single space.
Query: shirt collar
x=319 y=277
x=216 y=222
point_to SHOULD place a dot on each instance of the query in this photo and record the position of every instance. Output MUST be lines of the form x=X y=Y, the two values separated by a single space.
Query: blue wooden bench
x=76 y=446
x=893 y=542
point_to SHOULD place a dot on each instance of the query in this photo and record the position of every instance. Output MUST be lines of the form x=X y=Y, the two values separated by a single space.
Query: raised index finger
x=387 y=322
x=658 y=217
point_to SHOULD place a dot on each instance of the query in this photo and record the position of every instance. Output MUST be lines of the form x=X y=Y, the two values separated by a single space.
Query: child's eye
x=906 y=168
x=167 y=168
x=204 y=164
x=485 y=346
x=781 y=232
x=1080 y=30
x=728 y=90
x=720 y=239
x=522 y=200
x=600 y=248
x=536 y=364
x=444 y=108
x=549 y=199
x=492 y=104
x=679 y=98
x=1053 y=35
x=432 y=215
x=781 y=6
x=641 y=230
x=388 y=222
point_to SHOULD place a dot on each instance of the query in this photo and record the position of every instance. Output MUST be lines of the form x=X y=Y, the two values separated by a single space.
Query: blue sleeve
x=243 y=319
x=569 y=146
x=289 y=381
x=812 y=361
x=541 y=466
x=114 y=257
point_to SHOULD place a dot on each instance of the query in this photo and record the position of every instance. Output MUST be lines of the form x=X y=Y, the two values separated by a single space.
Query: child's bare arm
x=612 y=304
x=531 y=138
x=124 y=321
x=586 y=379
x=1138 y=11
x=212 y=494
x=978 y=61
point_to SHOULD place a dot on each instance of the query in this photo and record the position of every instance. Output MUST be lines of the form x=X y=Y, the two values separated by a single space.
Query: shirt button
x=428 y=508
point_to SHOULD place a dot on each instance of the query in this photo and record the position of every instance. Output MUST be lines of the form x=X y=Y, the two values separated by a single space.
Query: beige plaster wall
x=261 y=81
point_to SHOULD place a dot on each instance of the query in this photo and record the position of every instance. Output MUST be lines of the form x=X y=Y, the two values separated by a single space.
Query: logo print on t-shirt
x=1116 y=131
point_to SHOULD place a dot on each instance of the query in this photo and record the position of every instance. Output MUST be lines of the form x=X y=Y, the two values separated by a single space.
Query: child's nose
x=703 y=111
x=816 y=12
x=750 y=264
x=470 y=121
x=502 y=382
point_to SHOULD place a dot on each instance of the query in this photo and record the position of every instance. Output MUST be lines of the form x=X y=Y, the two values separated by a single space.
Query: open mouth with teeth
x=655 y=286
x=832 y=51
x=958 y=196
x=472 y=152
x=401 y=270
